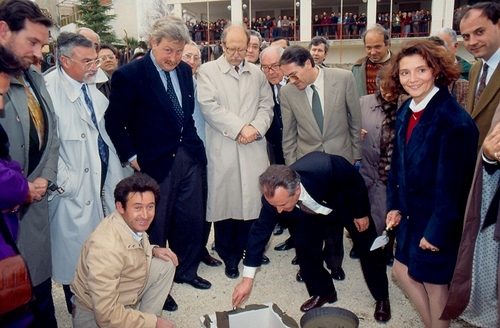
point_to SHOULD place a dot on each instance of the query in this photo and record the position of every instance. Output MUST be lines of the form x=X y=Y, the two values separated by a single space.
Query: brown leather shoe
x=318 y=301
x=382 y=311
x=211 y=261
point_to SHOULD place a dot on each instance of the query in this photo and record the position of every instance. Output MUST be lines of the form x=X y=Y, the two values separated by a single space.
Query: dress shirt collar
x=421 y=105
x=493 y=61
x=308 y=201
x=136 y=235
x=74 y=83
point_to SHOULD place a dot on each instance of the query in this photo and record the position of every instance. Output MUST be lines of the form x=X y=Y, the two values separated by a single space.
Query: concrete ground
x=276 y=283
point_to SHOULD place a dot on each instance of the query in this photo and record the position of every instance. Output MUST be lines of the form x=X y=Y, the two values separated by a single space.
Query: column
x=236 y=11
x=371 y=13
x=178 y=10
x=305 y=17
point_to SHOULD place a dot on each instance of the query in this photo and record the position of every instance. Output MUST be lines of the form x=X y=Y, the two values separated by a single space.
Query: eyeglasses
x=89 y=63
x=273 y=68
x=291 y=78
x=110 y=57
x=231 y=51
x=189 y=56
x=253 y=47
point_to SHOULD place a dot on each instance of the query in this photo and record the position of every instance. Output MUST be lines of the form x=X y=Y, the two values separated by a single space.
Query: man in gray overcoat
x=29 y=121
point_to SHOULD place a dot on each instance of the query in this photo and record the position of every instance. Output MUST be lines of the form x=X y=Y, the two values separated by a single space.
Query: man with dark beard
x=29 y=121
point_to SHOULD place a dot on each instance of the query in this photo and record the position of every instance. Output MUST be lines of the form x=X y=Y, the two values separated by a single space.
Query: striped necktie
x=103 y=148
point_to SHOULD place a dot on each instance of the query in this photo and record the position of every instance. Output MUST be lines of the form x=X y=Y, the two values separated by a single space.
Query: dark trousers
x=206 y=225
x=43 y=305
x=333 y=252
x=309 y=237
x=231 y=239
x=180 y=214
x=275 y=153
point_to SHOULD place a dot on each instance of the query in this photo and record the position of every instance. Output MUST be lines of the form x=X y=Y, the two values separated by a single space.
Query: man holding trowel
x=316 y=192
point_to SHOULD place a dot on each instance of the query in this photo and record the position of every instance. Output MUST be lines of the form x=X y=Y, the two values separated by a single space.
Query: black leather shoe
x=338 y=273
x=382 y=311
x=211 y=261
x=318 y=301
x=295 y=261
x=298 y=277
x=232 y=273
x=284 y=246
x=278 y=230
x=170 y=304
x=198 y=282
x=265 y=259
x=353 y=255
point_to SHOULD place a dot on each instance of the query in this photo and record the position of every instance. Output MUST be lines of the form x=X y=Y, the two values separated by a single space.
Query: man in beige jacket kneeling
x=121 y=279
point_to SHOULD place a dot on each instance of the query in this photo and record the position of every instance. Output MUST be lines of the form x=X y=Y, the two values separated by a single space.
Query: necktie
x=305 y=209
x=316 y=108
x=35 y=112
x=237 y=69
x=482 y=83
x=179 y=114
x=278 y=88
x=103 y=148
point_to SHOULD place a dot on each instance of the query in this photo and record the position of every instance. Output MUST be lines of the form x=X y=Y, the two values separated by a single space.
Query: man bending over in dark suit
x=316 y=192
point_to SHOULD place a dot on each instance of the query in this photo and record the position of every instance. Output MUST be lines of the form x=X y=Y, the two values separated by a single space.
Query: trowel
x=381 y=240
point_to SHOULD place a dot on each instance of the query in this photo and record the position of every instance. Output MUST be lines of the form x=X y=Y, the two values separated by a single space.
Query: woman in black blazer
x=431 y=171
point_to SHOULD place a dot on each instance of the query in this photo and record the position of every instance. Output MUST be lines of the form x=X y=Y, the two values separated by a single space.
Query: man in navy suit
x=316 y=192
x=150 y=121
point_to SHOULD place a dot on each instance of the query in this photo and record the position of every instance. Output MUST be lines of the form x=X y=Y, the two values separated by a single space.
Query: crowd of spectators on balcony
x=331 y=26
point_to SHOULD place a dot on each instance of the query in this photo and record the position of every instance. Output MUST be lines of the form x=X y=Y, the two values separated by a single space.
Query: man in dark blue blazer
x=150 y=121
x=316 y=192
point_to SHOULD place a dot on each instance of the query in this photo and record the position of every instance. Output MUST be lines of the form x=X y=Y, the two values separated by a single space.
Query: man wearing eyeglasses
x=108 y=55
x=321 y=112
x=88 y=165
x=150 y=121
x=270 y=65
x=253 y=49
x=237 y=103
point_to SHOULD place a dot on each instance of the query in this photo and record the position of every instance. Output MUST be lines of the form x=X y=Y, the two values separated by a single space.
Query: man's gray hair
x=171 y=28
x=278 y=176
x=450 y=32
x=78 y=30
x=67 y=41
x=234 y=26
x=276 y=49
x=257 y=34
x=379 y=29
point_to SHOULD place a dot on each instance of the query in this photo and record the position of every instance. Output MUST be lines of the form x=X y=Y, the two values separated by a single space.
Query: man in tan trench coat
x=237 y=104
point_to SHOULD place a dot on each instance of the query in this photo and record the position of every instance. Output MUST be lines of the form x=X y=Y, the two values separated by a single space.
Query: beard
x=90 y=77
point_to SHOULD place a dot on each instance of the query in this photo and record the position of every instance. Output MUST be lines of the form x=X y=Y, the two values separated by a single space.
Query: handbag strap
x=7 y=236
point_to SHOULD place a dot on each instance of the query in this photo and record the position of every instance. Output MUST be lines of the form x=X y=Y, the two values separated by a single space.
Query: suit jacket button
x=86 y=170
x=83 y=135
x=173 y=155
x=87 y=203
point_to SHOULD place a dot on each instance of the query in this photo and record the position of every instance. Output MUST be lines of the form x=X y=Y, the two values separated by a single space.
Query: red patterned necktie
x=482 y=83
